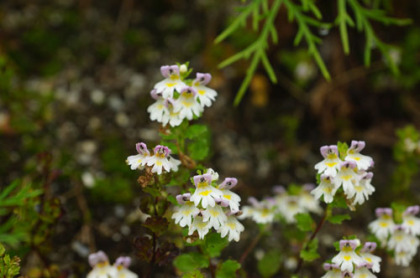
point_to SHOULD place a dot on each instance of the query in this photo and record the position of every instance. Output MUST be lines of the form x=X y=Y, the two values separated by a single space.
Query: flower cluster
x=401 y=238
x=159 y=161
x=349 y=174
x=178 y=99
x=352 y=262
x=285 y=204
x=212 y=205
x=102 y=269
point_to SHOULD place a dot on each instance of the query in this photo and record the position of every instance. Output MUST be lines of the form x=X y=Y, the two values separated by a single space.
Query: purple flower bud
x=327 y=266
x=189 y=90
x=413 y=210
x=324 y=151
x=348 y=164
x=155 y=95
x=202 y=178
x=348 y=243
x=142 y=148
x=123 y=261
x=228 y=183
x=221 y=202
x=167 y=71
x=254 y=202
x=97 y=257
x=357 y=146
x=369 y=247
x=234 y=213
x=159 y=149
x=202 y=78
x=308 y=186
x=367 y=176
x=279 y=189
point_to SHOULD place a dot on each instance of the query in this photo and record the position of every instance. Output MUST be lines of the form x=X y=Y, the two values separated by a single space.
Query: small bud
x=183 y=68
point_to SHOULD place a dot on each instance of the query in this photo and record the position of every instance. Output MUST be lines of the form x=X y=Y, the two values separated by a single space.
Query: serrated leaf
x=228 y=269
x=196 y=130
x=214 y=244
x=270 y=263
x=310 y=253
x=190 y=261
x=304 y=222
x=156 y=224
x=199 y=149
x=337 y=219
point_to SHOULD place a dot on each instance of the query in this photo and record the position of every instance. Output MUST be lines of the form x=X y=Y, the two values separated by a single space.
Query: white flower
x=161 y=160
x=403 y=258
x=369 y=258
x=353 y=154
x=347 y=256
x=204 y=94
x=400 y=241
x=362 y=271
x=184 y=214
x=348 y=178
x=171 y=83
x=200 y=226
x=384 y=225
x=214 y=216
x=138 y=161
x=307 y=201
x=410 y=222
x=121 y=265
x=101 y=267
x=187 y=105
x=205 y=193
x=261 y=212
x=331 y=163
x=363 y=189
x=171 y=117
x=327 y=188
x=214 y=174
x=290 y=208
x=232 y=198
x=232 y=227
x=333 y=271
x=158 y=109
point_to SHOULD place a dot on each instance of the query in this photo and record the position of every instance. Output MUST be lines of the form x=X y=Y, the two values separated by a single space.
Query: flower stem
x=250 y=247
x=318 y=228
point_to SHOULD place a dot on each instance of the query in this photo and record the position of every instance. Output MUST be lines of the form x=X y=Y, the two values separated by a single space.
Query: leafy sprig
x=363 y=23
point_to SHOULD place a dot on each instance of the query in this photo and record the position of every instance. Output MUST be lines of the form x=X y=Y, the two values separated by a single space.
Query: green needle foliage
x=306 y=15
x=363 y=22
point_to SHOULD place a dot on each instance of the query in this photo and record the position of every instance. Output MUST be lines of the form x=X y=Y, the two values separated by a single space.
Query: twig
x=250 y=248
x=318 y=228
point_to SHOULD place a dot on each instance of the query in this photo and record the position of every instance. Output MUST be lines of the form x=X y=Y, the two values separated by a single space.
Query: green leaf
x=337 y=219
x=228 y=269
x=310 y=253
x=194 y=274
x=339 y=201
x=191 y=261
x=199 y=149
x=156 y=224
x=304 y=222
x=196 y=131
x=214 y=244
x=342 y=149
x=270 y=263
